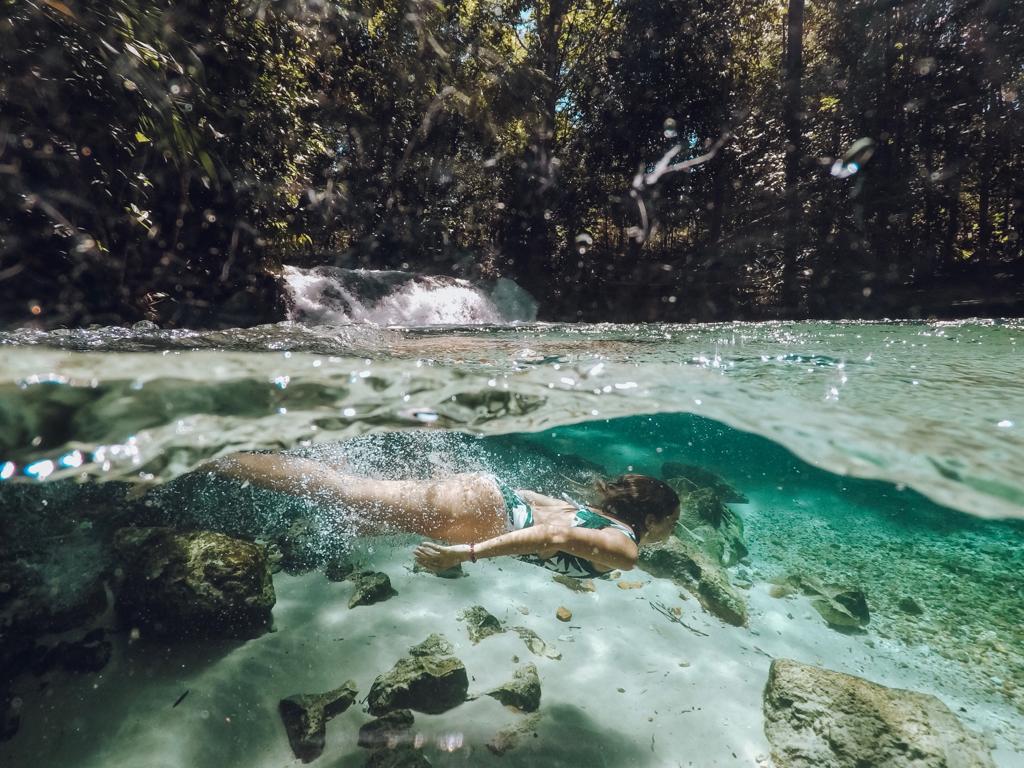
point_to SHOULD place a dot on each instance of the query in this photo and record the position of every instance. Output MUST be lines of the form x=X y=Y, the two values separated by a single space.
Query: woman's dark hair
x=632 y=498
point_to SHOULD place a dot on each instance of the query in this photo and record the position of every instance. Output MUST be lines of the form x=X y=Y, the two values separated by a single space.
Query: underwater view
x=521 y=383
x=851 y=517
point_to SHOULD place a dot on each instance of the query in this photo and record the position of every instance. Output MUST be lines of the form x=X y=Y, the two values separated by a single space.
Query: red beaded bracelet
x=472 y=553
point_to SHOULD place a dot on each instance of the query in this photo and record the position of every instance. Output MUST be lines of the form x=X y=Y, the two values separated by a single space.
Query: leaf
x=207 y=163
x=142 y=138
x=61 y=8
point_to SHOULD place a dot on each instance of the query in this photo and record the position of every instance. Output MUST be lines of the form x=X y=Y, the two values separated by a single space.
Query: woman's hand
x=435 y=557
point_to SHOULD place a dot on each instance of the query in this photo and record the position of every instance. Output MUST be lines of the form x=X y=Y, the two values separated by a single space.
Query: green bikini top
x=573 y=565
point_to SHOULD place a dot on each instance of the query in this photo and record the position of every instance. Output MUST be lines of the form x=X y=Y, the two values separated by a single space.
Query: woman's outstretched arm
x=606 y=548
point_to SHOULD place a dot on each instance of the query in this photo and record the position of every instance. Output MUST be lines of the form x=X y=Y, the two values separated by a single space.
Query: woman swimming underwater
x=478 y=516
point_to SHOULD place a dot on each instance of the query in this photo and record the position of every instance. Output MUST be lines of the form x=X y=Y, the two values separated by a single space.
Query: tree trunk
x=928 y=258
x=539 y=248
x=985 y=165
x=952 y=222
x=792 y=73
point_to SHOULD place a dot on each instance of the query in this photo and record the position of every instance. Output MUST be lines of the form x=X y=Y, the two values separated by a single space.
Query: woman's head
x=650 y=506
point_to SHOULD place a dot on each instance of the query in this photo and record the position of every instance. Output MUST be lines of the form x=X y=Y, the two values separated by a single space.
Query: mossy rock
x=522 y=691
x=305 y=717
x=480 y=624
x=370 y=587
x=194 y=584
x=704 y=516
x=429 y=680
x=842 y=607
x=685 y=563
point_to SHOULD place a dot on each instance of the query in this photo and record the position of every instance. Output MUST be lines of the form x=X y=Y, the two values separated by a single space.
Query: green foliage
x=162 y=158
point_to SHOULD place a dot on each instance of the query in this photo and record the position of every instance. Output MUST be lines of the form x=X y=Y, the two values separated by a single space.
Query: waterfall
x=336 y=296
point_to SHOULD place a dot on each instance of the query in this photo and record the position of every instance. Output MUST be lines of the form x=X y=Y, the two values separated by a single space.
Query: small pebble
x=563 y=613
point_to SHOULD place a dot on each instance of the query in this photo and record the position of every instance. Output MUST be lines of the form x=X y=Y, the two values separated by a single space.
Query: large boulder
x=192 y=584
x=817 y=718
x=717 y=528
x=429 y=680
x=685 y=563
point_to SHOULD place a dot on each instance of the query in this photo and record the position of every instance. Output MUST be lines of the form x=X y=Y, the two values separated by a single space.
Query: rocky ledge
x=817 y=718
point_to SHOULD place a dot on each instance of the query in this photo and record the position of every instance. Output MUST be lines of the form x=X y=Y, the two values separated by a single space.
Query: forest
x=622 y=160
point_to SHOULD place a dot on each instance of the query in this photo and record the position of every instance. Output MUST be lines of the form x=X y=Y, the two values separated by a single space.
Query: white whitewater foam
x=335 y=296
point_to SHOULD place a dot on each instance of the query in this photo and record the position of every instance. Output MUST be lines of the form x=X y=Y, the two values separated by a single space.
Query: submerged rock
x=192 y=584
x=455 y=572
x=817 y=718
x=429 y=680
x=301 y=547
x=371 y=587
x=687 y=565
x=842 y=607
x=33 y=604
x=536 y=644
x=10 y=715
x=697 y=478
x=910 y=606
x=403 y=757
x=389 y=730
x=576 y=585
x=713 y=525
x=480 y=624
x=522 y=691
x=508 y=738
x=434 y=645
x=339 y=569
x=305 y=718
x=89 y=654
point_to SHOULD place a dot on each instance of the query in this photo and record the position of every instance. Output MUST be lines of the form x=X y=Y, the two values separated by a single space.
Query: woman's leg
x=458 y=509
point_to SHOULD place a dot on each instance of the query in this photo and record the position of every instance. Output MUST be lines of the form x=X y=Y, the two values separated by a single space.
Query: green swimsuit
x=520 y=516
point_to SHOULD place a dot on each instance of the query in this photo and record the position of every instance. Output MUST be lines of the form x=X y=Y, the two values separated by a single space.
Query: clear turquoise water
x=885 y=455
